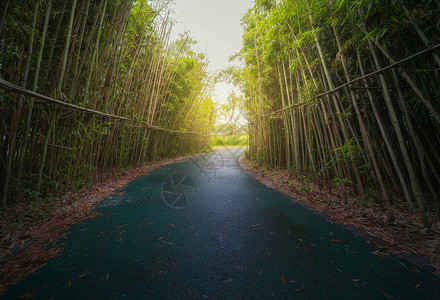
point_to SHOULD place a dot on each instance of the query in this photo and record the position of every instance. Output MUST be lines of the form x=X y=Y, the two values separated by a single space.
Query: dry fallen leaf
x=337 y=241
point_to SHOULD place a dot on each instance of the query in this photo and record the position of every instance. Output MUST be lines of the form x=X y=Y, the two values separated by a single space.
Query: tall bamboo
x=17 y=112
x=57 y=94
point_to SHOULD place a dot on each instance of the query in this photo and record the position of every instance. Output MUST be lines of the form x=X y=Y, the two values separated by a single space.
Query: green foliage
x=291 y=170
x=368 y=198
x=229 y=140
x=232 y=110
x=305 y=183
x=338 y=181
x=34 y=210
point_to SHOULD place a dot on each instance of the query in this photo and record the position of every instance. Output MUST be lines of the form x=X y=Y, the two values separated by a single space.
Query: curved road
x=202 y=228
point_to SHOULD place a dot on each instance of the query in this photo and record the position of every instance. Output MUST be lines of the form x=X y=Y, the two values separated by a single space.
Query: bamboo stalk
x=57 y=93
x=365 y=135
x=3 y=15
x=386 y=138
x=34 y=88
x=17 y=113
x=408 y=80
x=413 y=179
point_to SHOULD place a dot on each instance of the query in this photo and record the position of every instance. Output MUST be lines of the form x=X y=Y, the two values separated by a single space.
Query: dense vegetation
x=126 y=93
x=240 y=140
x=347 y=92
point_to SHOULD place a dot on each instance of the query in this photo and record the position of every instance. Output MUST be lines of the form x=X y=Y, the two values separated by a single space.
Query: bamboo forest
x=335 y=102
x=113 y=98
x=347 y=92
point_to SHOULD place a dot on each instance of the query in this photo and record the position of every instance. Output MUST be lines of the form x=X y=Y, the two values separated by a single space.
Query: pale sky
x=215 y=25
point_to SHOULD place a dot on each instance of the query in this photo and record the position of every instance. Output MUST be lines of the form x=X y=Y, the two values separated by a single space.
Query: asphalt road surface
x=202 y=228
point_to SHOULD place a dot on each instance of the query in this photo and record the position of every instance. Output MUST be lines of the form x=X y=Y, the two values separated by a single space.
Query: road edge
x=412 y=258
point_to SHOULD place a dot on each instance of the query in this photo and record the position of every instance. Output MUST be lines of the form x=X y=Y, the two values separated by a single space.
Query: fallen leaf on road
x=283 y=280
x=386 y=295
x=380 y=254
x=337 y=241
x=26 y=296
x=84 y=274
x=255 y=226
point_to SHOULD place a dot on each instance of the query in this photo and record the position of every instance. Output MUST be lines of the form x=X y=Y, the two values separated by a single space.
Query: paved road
x=202 y=228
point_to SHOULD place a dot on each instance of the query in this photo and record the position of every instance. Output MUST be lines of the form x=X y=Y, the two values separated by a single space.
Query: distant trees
x=113 y=57
x=232 y=110
x=347 y=90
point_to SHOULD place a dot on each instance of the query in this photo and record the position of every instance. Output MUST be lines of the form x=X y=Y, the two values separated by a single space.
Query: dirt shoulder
x=402 y=234
x=25 y=250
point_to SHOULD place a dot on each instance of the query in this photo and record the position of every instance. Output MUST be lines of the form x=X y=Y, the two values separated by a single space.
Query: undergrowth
x=229 y=140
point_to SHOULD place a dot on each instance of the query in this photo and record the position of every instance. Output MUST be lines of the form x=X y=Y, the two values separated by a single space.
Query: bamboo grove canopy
x=89 y=86
x=347 y=92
